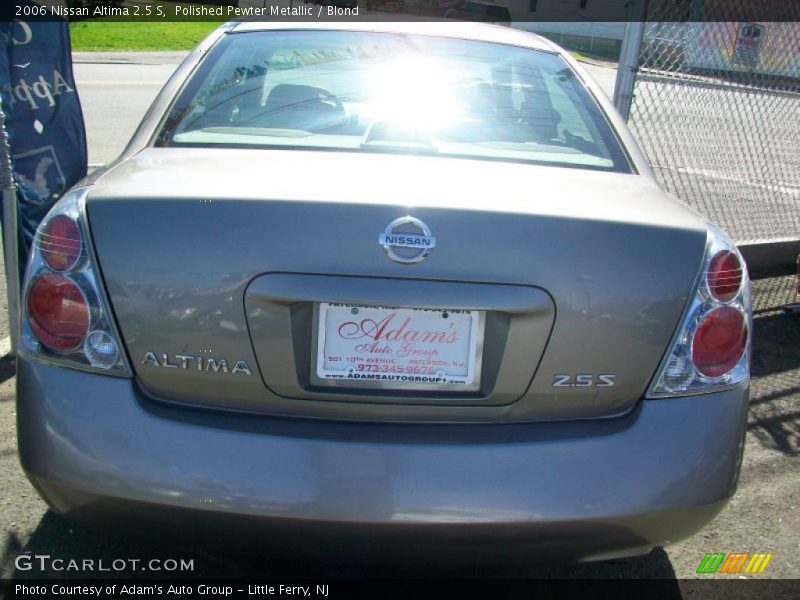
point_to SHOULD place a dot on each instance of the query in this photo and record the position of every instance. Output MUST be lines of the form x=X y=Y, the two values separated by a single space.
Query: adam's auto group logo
x=735 y=562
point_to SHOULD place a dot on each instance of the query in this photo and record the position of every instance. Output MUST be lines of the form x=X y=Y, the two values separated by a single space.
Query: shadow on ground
x=774 y=414
x=8 y=368
x=61 y=538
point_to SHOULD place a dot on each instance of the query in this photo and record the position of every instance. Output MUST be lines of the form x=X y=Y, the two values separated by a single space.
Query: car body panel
x=225 y=254
x=618 y=257
x=585 y=488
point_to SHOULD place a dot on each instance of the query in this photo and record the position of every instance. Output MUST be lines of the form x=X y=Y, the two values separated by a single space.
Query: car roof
x=480 y=32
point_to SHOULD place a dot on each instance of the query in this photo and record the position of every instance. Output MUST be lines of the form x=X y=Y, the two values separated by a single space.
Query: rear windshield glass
x=369 y=92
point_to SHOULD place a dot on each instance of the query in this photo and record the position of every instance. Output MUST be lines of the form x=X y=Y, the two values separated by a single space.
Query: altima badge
x=407 y=240
x=200 y=363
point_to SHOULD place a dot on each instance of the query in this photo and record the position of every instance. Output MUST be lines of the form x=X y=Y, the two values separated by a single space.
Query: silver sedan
x=386 y=280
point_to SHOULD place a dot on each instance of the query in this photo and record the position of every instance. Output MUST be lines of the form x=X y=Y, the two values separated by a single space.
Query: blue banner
x=43 y=118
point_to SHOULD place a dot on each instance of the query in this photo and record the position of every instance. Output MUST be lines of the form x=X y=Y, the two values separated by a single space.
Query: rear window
x=370 y=92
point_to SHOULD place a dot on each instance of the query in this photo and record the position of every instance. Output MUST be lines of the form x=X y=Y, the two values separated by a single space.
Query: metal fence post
x=629 y=57
x=10 y=233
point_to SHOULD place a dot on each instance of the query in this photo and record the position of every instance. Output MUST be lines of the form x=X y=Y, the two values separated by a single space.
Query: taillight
x=711 y=349
x=719 y=341
x=58 y=312
x=60 y=242
x=724 y=276
x=66 y=319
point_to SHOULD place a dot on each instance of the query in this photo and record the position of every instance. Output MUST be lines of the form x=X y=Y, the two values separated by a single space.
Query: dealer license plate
x=399 y=348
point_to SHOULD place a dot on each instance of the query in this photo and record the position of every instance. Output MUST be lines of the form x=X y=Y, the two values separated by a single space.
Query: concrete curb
x=133 y=58
x=609 y=64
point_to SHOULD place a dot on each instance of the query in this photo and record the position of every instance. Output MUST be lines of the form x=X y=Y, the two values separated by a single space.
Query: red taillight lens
x=724 y=276
x=60 y=243
x=57 y=312
x=719 y=341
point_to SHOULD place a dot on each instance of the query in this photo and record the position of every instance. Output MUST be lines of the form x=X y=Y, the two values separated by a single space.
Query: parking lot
x=708 y=139
x=762 y=517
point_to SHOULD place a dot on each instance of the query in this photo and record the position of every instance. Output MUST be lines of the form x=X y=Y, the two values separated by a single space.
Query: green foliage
x=119 y=36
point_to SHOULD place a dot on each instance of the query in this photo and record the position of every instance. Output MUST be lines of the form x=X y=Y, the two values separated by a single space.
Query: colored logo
x=735 y=562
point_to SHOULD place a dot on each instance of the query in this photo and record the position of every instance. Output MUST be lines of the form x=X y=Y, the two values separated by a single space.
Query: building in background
x=594 y=26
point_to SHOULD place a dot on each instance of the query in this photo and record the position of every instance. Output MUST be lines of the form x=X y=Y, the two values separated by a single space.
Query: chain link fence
x=716 y=108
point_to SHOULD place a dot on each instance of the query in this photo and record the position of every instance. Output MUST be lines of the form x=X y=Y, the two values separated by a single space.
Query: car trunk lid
x=225 y=255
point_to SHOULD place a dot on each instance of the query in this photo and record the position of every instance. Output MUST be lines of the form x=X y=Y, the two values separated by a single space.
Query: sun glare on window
x=414 y=93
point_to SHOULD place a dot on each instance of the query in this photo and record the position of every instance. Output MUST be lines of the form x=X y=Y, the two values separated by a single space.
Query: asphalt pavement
x=729 y=151
x=763 y=516
x=116 y=89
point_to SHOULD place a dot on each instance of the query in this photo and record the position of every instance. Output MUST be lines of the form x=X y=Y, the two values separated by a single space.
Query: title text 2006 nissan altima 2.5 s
x=396 y=281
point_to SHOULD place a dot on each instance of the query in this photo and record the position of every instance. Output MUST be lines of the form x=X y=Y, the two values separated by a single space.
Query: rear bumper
x=574 y=490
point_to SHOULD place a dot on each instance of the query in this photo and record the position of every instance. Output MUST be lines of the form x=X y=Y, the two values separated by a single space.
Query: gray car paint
x=587 y=489
x=560 y=204
x=618 y=257
x=609 y=258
